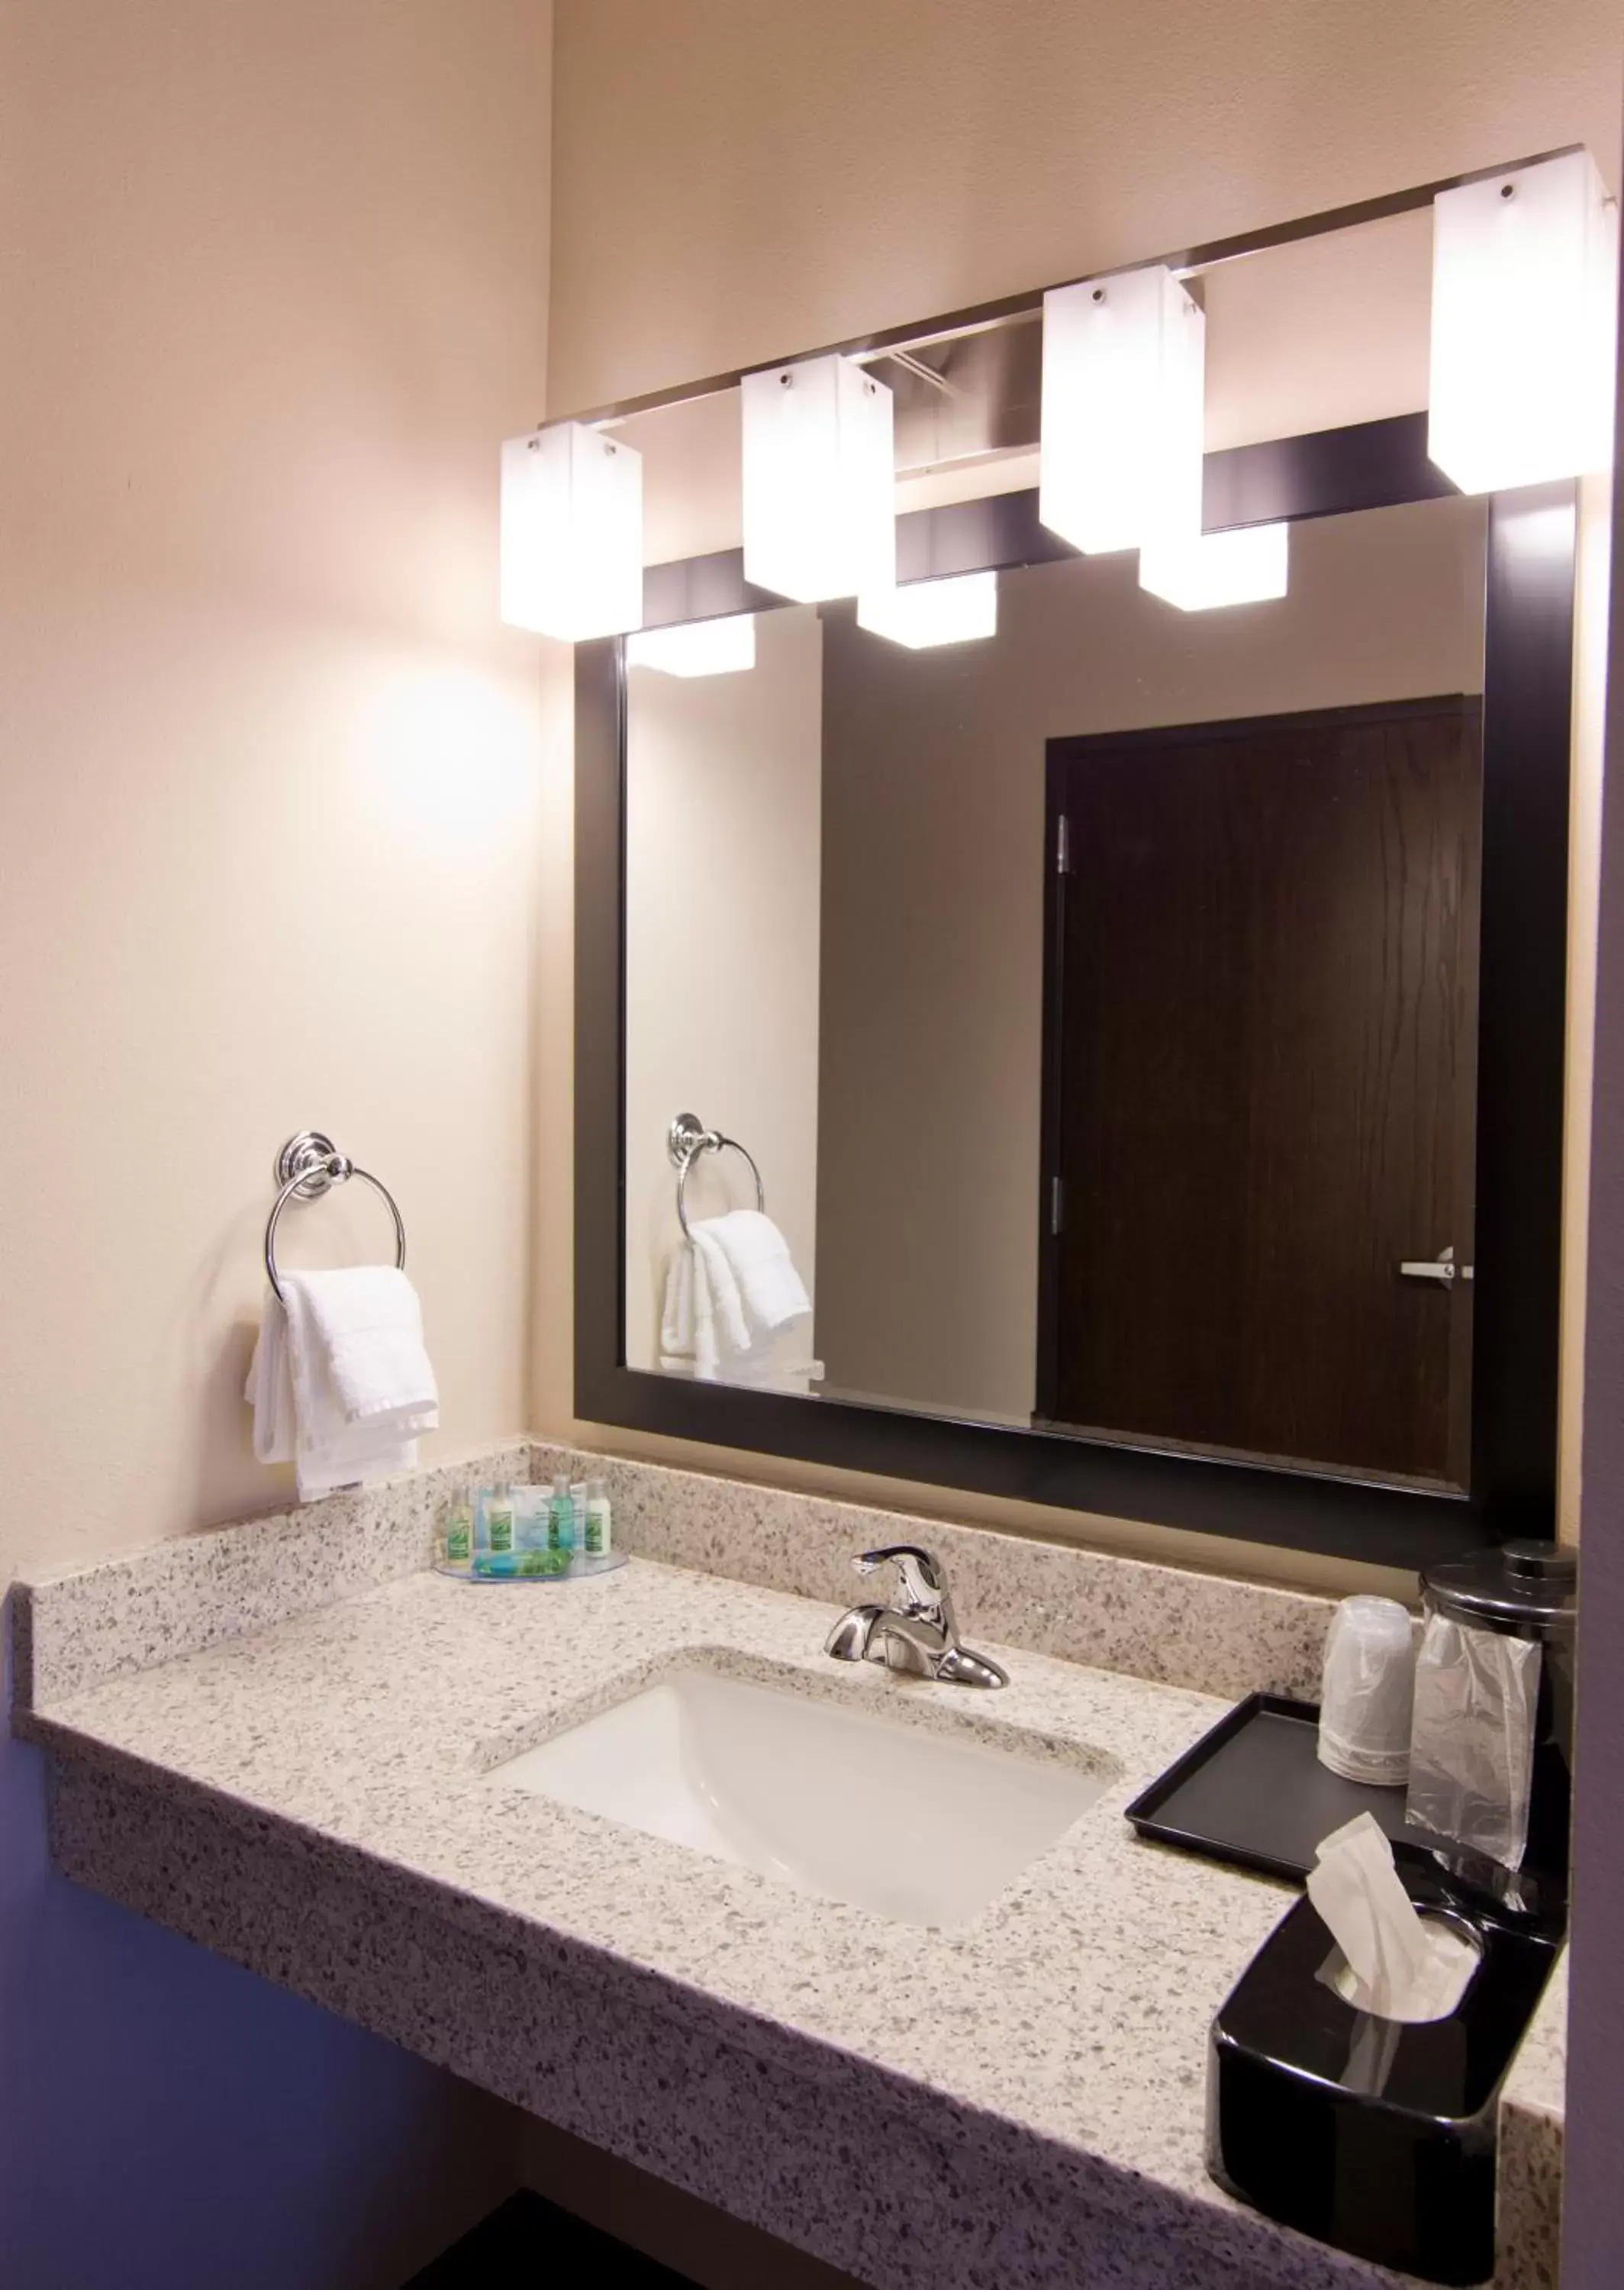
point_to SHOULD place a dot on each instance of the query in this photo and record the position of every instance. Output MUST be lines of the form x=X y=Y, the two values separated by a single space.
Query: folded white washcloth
x=757 y=1255
x=340 y=1383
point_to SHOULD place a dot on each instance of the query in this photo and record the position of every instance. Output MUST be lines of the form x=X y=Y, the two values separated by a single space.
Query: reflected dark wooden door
x=1259 y=1077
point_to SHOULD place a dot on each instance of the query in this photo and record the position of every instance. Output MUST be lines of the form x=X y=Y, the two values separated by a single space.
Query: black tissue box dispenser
x=1376 y=2135
x=1380 y=2136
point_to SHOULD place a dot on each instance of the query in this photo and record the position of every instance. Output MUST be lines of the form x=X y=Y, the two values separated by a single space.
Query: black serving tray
x=1254 y=1793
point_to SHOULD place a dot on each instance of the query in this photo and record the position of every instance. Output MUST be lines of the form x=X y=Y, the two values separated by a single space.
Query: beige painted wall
x=272 y=286
x=723 y=872
x=734 y=183
x=933 y=841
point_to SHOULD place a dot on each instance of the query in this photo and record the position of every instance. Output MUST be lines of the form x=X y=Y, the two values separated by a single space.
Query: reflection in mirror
x=1139 y=1150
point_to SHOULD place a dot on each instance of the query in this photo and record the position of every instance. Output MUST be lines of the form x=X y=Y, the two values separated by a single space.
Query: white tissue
x=1398 y=1965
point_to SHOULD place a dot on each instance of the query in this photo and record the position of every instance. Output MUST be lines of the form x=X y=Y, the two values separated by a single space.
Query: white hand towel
x=714 y=1275
x=331 y=1417
x=369 y=1325
x=687 y=1325
x=757 y=1256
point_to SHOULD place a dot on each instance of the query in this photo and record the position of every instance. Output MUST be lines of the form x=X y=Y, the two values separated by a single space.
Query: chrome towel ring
x=685 y=1139
x=308 y=1166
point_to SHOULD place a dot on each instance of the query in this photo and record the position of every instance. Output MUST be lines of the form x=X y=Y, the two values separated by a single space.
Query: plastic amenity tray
x=1253 y=1792
x=576 y=1567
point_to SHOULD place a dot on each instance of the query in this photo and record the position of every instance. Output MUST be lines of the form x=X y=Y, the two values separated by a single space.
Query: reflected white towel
x=731 y=1289
x=703 y=1321
x=340 y=1383
x=757 y=1256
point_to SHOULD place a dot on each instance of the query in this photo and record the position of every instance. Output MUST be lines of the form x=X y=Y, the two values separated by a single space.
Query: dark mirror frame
x=1527 y=710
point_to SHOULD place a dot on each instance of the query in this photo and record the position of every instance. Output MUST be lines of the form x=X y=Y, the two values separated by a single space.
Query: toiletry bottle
x=499 y=1521
x=578 y=1505
x=530 y=1506
x=458 y=1529
x=561 y=1516
x=600 y=1532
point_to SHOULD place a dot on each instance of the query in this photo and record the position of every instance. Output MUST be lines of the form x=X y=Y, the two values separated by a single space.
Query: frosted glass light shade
x=819 y=480
x=924 y=612
x=697 y=647
x=1523 y=322
x=1246 y=565
x=1123 y=368
x=571 y=534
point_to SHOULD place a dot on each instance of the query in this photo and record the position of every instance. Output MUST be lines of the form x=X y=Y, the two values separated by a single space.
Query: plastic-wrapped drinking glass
x=1368 y=1694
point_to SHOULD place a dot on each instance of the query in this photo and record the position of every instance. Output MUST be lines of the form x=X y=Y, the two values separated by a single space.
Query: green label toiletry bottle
x=600 y=1535
x=458 y=1533
x=561 y=1517
x=500 y=1518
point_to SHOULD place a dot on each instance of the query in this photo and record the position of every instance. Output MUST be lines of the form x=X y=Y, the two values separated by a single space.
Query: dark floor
x=529 y=2243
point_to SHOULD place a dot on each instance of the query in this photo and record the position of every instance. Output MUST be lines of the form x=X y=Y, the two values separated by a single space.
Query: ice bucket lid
x=1526 y=1589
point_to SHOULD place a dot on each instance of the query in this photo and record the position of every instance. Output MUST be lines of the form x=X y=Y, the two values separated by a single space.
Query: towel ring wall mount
x=685 y=1139
x=308 y=1166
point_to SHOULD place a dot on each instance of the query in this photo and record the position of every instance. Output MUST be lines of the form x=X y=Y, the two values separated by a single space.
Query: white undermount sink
x=896 y=1817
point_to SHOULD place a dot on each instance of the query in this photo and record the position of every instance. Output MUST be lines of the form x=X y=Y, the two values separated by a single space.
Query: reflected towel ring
x=308 y=1166
x=685 y=1139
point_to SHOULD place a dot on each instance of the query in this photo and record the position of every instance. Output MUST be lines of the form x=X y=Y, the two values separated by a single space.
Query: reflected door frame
x=1529 y=607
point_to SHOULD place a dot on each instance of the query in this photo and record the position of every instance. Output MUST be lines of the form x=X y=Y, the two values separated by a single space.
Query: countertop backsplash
x=78 y=1628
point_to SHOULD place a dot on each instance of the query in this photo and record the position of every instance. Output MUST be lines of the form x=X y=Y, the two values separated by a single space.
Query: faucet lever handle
x=923 y=1584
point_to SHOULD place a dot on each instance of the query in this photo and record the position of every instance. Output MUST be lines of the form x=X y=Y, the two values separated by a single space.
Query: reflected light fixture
x=924 y=612
x=1524 y=325
x=819 y=479
x=1245 y=565
x=1123 y=373
x=696 y=647
x=571 y=534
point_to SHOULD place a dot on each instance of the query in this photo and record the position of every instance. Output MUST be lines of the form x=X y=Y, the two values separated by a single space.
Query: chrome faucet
x=916 y=1634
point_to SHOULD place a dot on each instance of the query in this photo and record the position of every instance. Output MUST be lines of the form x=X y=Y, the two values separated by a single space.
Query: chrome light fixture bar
x=919 y=335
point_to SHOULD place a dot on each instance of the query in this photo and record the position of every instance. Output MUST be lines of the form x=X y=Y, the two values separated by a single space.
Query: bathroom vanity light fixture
x=1523 y=322
x=1122 y=368
x=924 y=612
x=571 y=534
x=720 y=647
x=819 y=479
x=1246 y=565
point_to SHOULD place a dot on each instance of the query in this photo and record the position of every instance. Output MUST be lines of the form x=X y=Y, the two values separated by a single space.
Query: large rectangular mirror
x=1242 y=980
x=1143 y=1026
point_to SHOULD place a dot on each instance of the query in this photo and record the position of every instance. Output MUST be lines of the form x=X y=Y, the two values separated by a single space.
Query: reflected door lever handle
x=1441 y=1266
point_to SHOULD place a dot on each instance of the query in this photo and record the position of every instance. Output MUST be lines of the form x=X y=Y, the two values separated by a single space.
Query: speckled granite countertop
x=1018 y=2102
